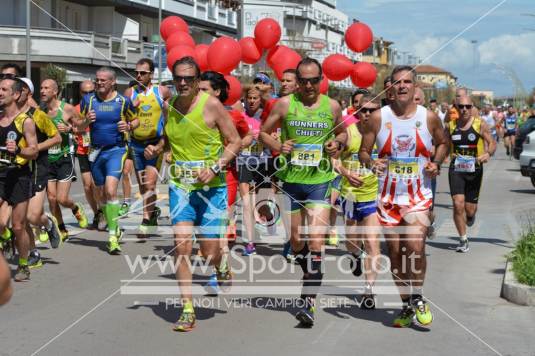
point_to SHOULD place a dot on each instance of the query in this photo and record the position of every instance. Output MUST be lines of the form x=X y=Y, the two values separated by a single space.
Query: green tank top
x=310 y=128
x=193 y=146
x=61 y=149
x=368 y=191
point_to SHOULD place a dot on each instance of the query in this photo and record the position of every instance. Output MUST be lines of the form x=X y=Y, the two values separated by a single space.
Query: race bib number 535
x=187 y=171
x=307 y=154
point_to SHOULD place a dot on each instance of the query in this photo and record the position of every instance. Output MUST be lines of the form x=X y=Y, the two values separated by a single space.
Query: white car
x=527 y=157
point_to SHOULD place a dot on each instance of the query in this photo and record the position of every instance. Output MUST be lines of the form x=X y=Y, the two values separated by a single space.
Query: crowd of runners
x=374 y=160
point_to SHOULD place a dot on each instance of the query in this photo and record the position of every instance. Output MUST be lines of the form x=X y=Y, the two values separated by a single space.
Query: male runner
x=405 y=134
x=149 y=102
x=197 y=127
x=471 y=146
x=511 y=125
x=61 y=171
x=18 y=145
x=109 y=115
x=312 y=132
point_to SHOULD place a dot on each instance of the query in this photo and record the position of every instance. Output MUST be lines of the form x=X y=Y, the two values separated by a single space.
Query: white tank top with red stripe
x=404 y=139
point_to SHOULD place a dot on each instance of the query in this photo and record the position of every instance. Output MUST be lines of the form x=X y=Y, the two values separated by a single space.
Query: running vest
x=308 y=162
x=194 y=145
x=150 y=114
x=61 y=149
x=44 y=129
x=350 y=160
x=510 y=122
x=103 y=130
x=466 y=145
x=406 y=143
x=13 y=132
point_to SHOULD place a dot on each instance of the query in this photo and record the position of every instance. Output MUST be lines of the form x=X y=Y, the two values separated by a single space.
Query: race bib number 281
x=307 y=154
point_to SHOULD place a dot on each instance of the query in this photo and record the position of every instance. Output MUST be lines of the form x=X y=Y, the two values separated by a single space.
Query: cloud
x=510 y=50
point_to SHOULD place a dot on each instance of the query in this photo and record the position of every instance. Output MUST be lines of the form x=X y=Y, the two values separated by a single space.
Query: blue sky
x=423 y=26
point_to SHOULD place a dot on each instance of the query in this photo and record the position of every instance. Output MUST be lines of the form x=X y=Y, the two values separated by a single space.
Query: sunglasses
x=7 y=76
x=188 y=79
x=142 y=72
x=312 y=81
x=464 y=107
x=368 y=110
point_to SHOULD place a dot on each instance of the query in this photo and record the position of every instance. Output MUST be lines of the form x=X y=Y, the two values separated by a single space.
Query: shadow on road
x=452 y=246
x=523 y=191
x=101 y=245
x=170 y=313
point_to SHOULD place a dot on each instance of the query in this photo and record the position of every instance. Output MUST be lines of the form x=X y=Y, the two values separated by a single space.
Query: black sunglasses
x=188 y=78
x=142 y=72
x=467 y=106
x=312 y=81
x=368 y=110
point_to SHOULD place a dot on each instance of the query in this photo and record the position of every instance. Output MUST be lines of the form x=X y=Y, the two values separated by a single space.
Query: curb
x=515 y=292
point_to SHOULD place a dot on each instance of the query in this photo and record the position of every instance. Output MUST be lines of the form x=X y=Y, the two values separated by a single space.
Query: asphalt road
x=84 y=301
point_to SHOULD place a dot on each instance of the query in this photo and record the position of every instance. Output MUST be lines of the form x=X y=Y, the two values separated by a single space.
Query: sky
x=441 y=32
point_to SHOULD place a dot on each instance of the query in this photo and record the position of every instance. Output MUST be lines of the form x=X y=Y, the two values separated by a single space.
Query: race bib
x=307 y=155
x=255 y=149
x=186 y=171
x=466 y=164
x=54 y=150
x=86 y=139
x=93 y=154
x=404 y=168
x=6 y=158
x=353 y=164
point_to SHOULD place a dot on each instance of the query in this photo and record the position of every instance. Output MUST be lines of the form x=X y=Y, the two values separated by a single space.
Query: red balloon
x=337 y=67
x=177 y=53
x=363 y=74
x=290 y=60
x=250 y=53
x=276 y=54
x=171 y=24
x=267 y=33
x=359 y=37
x=224 y=55
x=324 y=85
x=179 y=38
x=201 y=56
x=234 y=92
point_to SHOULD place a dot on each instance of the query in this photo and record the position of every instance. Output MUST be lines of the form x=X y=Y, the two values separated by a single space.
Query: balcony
x=57 y=46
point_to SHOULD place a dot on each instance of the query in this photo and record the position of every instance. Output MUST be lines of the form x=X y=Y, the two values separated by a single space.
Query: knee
x=458 y=205
x=18 y=227
x=52 y=199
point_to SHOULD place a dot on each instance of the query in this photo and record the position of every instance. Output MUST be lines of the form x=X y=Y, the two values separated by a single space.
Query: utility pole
x=28 y=43
x=159 y=43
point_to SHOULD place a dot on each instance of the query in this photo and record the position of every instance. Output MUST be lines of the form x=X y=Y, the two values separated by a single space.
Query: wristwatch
x=216 y=169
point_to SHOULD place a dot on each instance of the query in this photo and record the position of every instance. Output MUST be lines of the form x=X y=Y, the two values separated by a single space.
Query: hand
x=331 y=147
x=484 y=158
x=354 y=179
x=63 y=128
x=431 y=169
x=275 y=135
x=379 y=166
x=151 y=152
x=287 y=146
x=123 y=126
x=136 y=103
x=91 y=116
x=168 y=157
x=205 y=175
x=11 y=146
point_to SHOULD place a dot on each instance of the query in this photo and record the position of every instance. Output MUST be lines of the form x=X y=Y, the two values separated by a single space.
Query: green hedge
x=523 y=258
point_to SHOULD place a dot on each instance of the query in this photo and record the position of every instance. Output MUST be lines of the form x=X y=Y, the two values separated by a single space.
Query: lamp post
x=159 y=43
x=28 y=39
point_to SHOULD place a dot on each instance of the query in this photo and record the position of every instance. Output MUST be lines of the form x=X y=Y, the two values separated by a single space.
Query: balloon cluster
x=225 y=53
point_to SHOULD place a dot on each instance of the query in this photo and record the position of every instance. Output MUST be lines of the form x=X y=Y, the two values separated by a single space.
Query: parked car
x=527 y=157
x=521 y=135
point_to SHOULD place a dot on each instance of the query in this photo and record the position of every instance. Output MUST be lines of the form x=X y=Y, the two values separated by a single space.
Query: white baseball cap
x=28 y=83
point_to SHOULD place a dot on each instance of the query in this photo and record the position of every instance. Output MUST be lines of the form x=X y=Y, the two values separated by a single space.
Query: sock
x=312 y=284
x=188 y=307
x=23 y=261
x=464 y=237
x=406 y=301
x=301 y=258
x=126 y=201
x=111 y=211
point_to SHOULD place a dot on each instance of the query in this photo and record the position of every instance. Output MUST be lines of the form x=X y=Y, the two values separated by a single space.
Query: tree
x=59 y=74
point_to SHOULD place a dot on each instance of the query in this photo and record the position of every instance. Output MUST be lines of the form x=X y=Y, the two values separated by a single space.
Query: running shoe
x=250 y=249
x=34 y=259
x=431 y=231
x=368 y=298
x=463 y=246
x=185 y=323
x=355 y=264
x=7 y=244
x=405 y=317
x=54 y=234
x=306 y=316
x=332 y=240
x=125 y=208
x=80 y=216
x=423 y=314
x=113 y=245
x=155 y=215
x=64 y=234
x=22 y=274
x=42 y=235
x=224 y=278
x=470 y=220
x=212 y=287
x=147 y=227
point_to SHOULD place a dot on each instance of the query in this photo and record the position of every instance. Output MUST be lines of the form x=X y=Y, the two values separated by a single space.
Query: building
x=82 y=35
x=484 y=96
x=312 y=27
x=437 y=77
x=379 y=53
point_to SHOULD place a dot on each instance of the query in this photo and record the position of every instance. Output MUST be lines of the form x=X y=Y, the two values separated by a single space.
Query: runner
x=358 y=200
x=489 y=119
x=511 y=125
x=83 y=142
x=6 y=291
x=109 y=115
x=149 y=101
x=197 y=125
x=405 y=133
x=471 y=146
x=60 y=160
x=18 y=144
x=47 y=136
x=309 y=121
